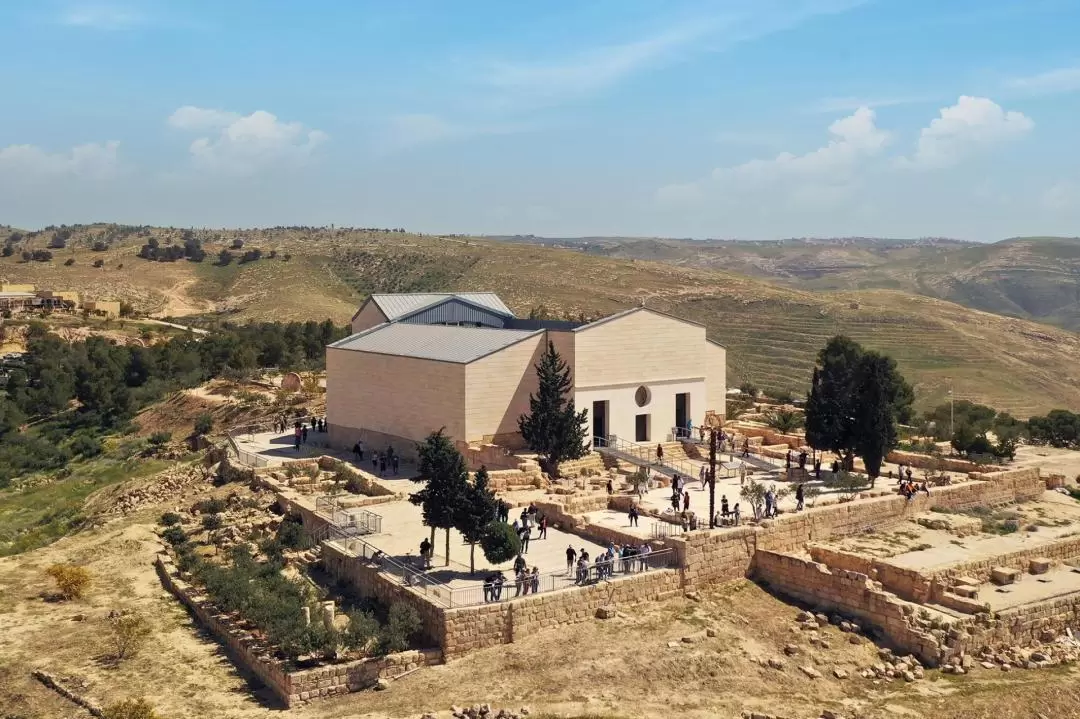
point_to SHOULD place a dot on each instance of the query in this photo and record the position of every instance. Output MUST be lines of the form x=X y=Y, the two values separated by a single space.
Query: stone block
x=1004 y=575
x=966 y=590
x=1039 y=565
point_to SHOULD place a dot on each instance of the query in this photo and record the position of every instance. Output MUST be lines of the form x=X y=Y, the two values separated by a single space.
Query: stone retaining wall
x=255 y=657
x=471 y=628
x=851 y=594
x=923 y=461
x=1062 y=550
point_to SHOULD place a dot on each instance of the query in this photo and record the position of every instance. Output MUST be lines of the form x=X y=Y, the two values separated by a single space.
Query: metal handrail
x=645 y=456
x=487 y=593
x=405 y=575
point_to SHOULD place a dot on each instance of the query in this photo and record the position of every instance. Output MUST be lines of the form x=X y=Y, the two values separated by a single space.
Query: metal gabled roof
x=433 y=342
x=395 y=306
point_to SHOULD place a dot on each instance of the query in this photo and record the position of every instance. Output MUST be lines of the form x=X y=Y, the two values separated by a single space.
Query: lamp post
x=952 y=427
x=712 y=477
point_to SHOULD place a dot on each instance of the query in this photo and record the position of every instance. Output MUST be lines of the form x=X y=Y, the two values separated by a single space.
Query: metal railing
x=488 y=591
x=400 y=570
x=663 y=530
x=362 y=521
x=645 y=456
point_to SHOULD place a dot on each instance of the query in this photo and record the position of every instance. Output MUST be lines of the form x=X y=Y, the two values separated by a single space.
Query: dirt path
x=179 y=303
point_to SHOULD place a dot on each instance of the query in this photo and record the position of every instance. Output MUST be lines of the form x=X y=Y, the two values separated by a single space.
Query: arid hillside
x=772 y=331
x=1035 y=278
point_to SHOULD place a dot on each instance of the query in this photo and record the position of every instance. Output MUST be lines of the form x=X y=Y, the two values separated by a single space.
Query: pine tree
x=876 y=422
x=553 y=428
x=443 y=469
x=477 y=509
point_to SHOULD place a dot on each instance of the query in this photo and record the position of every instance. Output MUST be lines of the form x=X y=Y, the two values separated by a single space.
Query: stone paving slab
x=1031 y=588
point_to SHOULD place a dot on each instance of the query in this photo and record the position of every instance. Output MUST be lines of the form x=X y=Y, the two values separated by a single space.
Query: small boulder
x=840 y=673
x=605 y=612
x=381 y=685
x=775 y=663
x=810 y=671
x=791 y=650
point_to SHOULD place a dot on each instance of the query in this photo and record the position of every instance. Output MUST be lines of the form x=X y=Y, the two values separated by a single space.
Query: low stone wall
x=255 y=658
x=490 y=455
x=471 y=628
x=851 y=594
x=924 y=461
x=1024 y=624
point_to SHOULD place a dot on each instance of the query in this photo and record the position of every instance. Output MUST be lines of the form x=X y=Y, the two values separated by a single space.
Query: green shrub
x=85 y=446
x=363 y=629
x=169 y=519
x=292 y=535
x=204 y=423
x=214 y=505
x=500 y=543
x=402 y=624
x=174 y=535
x=129 y=709
x=211 y=522
x=158 y=439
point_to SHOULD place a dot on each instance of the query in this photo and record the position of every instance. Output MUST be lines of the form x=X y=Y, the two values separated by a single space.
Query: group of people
x=801 y=458
x=727 y=514
x=628 y=557
x=380 y=461
x=526 y=581
x=301 y=427
x=523 y=525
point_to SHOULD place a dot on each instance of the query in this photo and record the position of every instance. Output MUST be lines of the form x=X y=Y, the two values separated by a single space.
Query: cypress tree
x=443 y=469
x=477 y=509
x=553 y=428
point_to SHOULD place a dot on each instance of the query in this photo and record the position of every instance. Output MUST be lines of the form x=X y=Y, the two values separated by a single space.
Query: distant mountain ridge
x=1035 y=278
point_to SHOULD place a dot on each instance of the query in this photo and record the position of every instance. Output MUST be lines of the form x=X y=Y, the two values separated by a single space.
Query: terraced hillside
x=772 y=331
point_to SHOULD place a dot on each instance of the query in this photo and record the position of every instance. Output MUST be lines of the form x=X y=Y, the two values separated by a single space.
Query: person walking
x=534 y=580
x=633 y=515
x=799 y=497
x=571 y=558
x=660 y=453
x=735 y=514
x=702 y=473
x=394 y=463
x=425 y=553
x=543 y=528
x=524 y=536
x=686 y=501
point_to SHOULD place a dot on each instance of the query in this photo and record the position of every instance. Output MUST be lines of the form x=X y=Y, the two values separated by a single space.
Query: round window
x=642 y=396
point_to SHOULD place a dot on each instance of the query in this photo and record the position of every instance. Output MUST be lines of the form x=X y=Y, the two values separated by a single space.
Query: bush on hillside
x=128 y=632
x=204 y=423
x=159 y=439
x=86 y=445
x=169 y=519
x=130 y=709
x=71 y=580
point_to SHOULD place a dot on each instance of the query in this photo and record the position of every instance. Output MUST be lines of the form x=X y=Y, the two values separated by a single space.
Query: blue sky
x=752 y=119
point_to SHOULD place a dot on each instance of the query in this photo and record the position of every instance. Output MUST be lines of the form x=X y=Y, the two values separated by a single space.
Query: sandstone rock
x=804 y=616
x=710 y=632
x=381 y=685
x=1006 y=667
x=694 y=638
x=823 y=644
x=810 y=671
x=854 y=639
x=826 y=714
x=791 y=650
x=693 y=596
x=1039 y=565
x=821 y=620
x=674 y=645
x=840 y=673
x=1004 y=575
x=775 y=663
x=605 y=612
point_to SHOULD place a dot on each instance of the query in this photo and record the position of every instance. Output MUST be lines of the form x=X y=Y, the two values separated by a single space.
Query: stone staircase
x=589 y=465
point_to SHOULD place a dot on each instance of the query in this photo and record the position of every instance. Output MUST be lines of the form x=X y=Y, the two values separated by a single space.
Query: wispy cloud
x=1052 y=82
x=415 y=129
x=592 y=69
x=831 y=105
x=103 y=16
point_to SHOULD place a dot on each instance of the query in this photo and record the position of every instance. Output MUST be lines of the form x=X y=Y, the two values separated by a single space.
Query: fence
x=645 y=456
x=490 y=591
x=401 y=571
x=360 y=520
x=662 y=530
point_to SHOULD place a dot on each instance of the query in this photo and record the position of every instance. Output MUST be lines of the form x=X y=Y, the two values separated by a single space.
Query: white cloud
x=245 y=143
x=1053 y=82
x=810 y=178
x=102 y=16
x=190 y=117
x=962 y=128
x=91 y=160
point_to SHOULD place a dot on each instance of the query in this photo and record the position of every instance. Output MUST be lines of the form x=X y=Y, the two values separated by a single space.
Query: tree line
x=84 y=388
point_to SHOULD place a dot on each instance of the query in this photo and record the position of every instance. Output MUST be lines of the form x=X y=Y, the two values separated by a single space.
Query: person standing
x=799 y=497
x=660 y=453
x=543 y=528
x=633 y=515
x=571 y=558
x=686 y=501
x=702 y=473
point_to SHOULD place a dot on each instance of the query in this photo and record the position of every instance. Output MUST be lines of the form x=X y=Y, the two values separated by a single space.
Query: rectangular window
x=641 y=428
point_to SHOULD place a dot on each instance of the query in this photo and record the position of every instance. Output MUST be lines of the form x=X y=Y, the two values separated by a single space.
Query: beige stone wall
x=851 y=594
x=369 y=316
x=471 y=628
x=715 y=379
x=1060 y=551
x=394 y=396
x=497 y=389
x=639 y=348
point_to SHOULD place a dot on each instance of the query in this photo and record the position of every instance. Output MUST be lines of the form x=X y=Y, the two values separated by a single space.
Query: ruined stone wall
x=922 y=461
x=851 y=594
x=1058 y=551
x=256 y=658
x=470 y=628
x=1024 y=624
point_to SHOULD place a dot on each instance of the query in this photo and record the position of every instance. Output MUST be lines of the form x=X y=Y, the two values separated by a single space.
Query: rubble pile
x=1051 y=651
x=892 y=668
x=170 y=485
x=481 y=711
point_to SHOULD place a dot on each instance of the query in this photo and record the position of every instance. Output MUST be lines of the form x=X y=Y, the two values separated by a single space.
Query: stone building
x=418 y=362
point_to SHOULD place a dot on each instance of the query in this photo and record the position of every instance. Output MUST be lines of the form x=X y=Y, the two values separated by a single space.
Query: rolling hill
x=1035 y=278
x=772 y=330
